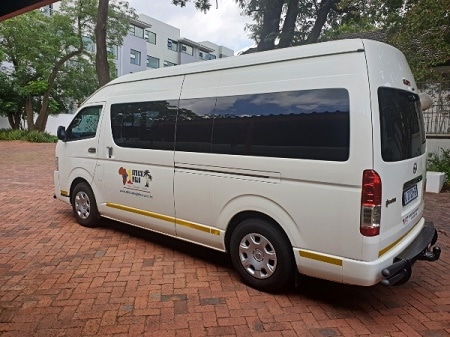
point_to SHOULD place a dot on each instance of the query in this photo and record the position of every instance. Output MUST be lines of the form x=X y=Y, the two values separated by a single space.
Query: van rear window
x=401 y=123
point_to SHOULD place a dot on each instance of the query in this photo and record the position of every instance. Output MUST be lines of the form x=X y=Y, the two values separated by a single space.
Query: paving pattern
x=60 y=279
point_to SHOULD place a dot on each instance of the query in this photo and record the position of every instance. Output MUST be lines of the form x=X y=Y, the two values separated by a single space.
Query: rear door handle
x=92 y=150
x=110 y=151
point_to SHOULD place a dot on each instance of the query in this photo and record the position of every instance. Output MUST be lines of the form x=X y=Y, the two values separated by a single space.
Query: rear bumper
x=419 y=249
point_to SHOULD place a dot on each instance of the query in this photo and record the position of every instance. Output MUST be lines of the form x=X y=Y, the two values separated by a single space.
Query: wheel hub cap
x=82 y=205
x=257 y=255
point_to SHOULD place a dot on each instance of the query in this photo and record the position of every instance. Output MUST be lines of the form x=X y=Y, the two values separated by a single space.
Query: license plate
x=410 y=194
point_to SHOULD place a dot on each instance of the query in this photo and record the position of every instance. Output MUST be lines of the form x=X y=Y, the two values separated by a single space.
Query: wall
x=52 y=123
x=163 y=32
x=434 y=145
x=138 y=44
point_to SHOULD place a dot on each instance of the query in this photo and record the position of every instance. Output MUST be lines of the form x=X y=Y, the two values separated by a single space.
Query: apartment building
x=151 y=43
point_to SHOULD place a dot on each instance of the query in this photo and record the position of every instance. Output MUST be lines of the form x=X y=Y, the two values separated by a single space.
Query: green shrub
x=28 y=136
x=440 y=162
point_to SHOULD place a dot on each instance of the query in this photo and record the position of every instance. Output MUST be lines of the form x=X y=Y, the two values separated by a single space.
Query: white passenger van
x=308 y=159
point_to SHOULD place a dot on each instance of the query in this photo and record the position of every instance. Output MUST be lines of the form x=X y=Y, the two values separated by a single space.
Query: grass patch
x=27 y=136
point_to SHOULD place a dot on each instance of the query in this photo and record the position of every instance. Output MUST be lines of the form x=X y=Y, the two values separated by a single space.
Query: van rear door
x=401 y=163
x=399 y=147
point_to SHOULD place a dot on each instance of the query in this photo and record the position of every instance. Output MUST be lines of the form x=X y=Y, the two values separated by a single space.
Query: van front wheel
x=84 y=205
x=262 y=255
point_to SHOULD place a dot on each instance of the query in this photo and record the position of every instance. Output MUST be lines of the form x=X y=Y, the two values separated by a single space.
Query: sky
x=223 y=25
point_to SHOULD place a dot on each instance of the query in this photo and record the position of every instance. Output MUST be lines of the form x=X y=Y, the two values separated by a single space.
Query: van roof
x=306 y=51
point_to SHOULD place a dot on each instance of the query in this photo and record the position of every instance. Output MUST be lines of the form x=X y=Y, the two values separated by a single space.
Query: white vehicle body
x=194 y=151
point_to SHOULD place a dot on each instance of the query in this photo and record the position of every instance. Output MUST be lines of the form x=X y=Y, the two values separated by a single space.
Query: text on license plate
x=410 y=194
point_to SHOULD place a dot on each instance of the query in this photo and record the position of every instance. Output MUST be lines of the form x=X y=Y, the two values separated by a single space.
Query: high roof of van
x=307 y=51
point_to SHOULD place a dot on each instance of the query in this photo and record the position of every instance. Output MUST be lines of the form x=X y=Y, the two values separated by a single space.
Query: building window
x=211 y=57
x=137 y=31
x=169 y=64
x=187 y=49
x=135 y=57
x=172 y=45
x=88 y=44
x=112 y=51
x=150 y=37
x=152 y=62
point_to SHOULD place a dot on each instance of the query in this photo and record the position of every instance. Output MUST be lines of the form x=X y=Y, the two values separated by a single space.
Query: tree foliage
x=282 y=23
x=49 y=59
x=423 y=34
x=420 y=28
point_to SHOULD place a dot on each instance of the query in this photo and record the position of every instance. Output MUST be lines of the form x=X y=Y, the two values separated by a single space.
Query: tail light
x=370 y=204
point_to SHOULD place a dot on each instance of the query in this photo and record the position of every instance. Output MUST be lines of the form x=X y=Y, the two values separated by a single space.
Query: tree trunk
x=41 y=121
x=271 y=24
x=101 y=56
x=29 y=113
x=287 y=32
x=14 y=120
x=324 y=9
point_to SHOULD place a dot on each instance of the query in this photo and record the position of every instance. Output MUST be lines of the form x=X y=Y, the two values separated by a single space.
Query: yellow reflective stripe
x=141 y=212
x=64 y=193
x=167 y=218
x=321 y=258
x=388 y=248
x=197 y=226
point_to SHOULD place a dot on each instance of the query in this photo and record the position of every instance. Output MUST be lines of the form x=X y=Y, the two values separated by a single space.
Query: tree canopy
x=50 y=60
x=420 y=28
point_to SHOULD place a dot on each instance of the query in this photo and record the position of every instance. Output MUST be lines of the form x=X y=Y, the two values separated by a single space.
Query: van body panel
x=320 y=184
x=285 y=136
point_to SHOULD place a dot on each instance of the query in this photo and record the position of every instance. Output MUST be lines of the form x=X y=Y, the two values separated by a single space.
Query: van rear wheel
x=262 y=255
x=84 y=205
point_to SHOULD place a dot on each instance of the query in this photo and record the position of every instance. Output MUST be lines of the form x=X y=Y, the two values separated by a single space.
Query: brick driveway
x=60 y=279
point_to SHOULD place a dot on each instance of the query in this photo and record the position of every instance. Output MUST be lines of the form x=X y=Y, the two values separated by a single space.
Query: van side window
x=84 y=125
x=194 y=125
x=308 y=124
x=401 y=123
x=147 y=125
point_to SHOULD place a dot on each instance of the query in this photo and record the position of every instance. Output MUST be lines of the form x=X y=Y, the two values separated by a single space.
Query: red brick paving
x=60 y=279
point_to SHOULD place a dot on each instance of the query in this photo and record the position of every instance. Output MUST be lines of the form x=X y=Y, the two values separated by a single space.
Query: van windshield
x=401 y=123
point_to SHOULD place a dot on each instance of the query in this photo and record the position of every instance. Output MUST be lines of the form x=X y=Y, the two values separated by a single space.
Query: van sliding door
x=137 y=155
x=193 y=170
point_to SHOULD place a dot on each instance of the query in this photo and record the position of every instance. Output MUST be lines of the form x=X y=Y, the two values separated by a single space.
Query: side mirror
x=61 y=133
x=425 y=101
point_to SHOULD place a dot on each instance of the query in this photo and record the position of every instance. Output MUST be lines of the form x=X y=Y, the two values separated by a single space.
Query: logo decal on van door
x=135 y=179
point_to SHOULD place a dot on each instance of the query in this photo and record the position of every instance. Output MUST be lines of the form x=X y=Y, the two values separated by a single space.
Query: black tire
x=262 y=255
x=84 y=206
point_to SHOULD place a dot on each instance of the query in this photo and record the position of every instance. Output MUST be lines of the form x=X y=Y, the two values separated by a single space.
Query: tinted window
x=310 y=124
x=84 y=125
x=148 y=125
x=194 y=125
x=401 y=122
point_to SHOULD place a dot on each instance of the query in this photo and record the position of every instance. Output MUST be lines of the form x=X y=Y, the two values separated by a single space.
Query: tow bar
x=420 y=249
